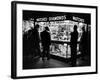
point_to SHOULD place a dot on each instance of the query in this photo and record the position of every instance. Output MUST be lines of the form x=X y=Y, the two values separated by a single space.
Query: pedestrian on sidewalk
x=46 y=42
x=74 y=38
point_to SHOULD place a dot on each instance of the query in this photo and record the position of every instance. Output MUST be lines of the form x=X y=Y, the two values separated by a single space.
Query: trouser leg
x=73 y=56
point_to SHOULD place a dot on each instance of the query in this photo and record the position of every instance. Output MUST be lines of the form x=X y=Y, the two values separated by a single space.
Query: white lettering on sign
x=41 y=19
x=32 y=19
x=78 y=19
x=57 y=18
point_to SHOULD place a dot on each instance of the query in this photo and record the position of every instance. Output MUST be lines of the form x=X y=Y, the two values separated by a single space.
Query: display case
x=60 y=36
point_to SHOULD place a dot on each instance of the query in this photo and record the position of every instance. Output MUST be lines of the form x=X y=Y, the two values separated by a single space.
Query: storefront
x=60 y=30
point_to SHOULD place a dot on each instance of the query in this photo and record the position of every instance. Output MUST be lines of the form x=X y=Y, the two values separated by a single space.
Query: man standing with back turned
x=46 y=42
x=74 y=38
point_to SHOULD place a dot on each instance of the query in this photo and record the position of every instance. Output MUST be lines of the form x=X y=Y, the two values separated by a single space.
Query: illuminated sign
x=78 y=19
x=41 y=19
x=52 y=18
x=32 y=19
x=57 y=18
